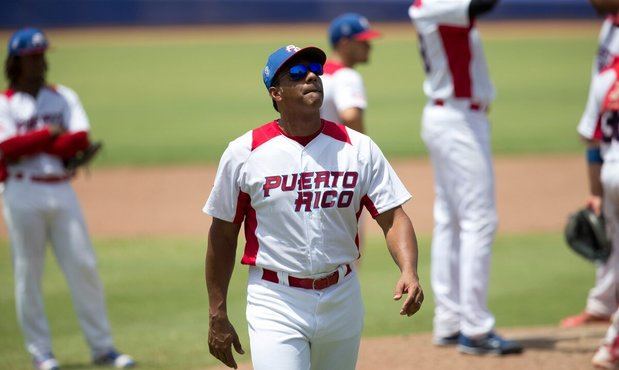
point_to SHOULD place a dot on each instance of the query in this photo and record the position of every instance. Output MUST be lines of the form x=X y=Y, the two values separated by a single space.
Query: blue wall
x=62 y=13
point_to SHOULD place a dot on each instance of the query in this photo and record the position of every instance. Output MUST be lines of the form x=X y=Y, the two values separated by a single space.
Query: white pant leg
x=445 y=259
x=603 y=297
x=76 y=257
x=459 y=144
x=27 y=231
x=286 y=325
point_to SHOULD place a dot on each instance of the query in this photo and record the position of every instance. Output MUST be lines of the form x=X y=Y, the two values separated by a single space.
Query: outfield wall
x=63 y=13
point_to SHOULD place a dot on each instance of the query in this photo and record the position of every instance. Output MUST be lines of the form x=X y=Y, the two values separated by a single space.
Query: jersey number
x=610 y=126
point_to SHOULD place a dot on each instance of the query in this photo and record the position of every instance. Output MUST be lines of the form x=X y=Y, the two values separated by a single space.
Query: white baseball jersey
x=451 y=50
x=343 y=89
x=21 y=113
x=300 y=203
x=601 y=118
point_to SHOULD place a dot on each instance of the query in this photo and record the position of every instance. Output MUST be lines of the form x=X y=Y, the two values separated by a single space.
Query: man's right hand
x=594 y=203
x=221 y=338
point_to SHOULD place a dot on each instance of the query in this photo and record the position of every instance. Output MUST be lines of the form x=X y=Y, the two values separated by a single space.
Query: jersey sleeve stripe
x=264 y=133
x=336 y=131
x=457 y=46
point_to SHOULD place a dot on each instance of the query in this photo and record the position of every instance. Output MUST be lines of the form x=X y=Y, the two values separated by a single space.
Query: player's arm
x=353 y=118
x=479 y=7
x=605 y=6
x=30 y=143
x=220 y=255
x=594 y=170
x=402 y=244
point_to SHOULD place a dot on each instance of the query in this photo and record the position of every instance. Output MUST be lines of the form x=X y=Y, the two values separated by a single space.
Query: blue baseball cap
x=27 y=41
x=280 y=56
x=351 y=25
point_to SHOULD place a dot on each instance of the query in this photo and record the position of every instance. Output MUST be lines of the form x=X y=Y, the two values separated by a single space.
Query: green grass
x=158 y=304
x=182 y=101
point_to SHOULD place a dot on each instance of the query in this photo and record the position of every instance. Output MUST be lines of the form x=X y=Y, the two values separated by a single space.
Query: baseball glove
x=585 y=234
x=83 y=157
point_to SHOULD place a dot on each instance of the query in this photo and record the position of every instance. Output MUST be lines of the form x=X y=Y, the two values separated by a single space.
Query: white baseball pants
x=465 y=218
x=603 y=297
x=299 y=329
x=35 y=213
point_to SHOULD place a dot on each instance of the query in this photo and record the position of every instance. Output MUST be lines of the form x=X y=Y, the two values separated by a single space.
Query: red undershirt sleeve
x=68 y=144
x=27 y=144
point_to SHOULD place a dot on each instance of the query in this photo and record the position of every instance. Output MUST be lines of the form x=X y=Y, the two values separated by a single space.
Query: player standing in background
x=599 y=126
x=344 y=94
x=602 y=298
x=40 y=126
x=456 y=130
x=298 y=184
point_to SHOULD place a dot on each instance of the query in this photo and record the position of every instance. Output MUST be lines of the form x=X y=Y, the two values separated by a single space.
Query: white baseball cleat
x=115 y=359
x=46 y=362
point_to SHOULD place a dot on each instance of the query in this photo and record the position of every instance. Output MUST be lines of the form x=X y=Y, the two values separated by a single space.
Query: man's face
x=359 y=50
x=306 y=91
x=33 y=67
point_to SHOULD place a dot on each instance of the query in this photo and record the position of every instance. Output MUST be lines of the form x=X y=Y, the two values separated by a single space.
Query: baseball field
x=166 y=101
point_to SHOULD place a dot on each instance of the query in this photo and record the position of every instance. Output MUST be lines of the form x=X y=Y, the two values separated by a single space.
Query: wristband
x=594 y=156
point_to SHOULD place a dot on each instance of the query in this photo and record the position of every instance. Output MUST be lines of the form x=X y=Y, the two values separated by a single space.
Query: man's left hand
x=409 y=284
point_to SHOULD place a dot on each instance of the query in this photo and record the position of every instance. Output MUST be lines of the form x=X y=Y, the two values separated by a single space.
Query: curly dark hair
x=12 y=68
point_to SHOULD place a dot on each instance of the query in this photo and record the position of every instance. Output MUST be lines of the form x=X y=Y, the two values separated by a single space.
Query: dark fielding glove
x=585 y=234
x=83 y=157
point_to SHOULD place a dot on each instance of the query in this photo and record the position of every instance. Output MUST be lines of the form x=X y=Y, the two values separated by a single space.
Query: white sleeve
x=348 y=90
x=7 y=124
x=590 y=117
x=75 y=115
x=453 y=12
x=385 y=190
x=223 y=202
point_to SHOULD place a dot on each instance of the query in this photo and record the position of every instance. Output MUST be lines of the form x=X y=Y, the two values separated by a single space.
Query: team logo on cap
x=38 y=39
x=267 y=71
x=363 y=21
x=346 y=29
x=292 y=48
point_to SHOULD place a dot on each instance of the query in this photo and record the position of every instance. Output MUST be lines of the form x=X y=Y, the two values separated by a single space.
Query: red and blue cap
x=282 y=55
x=351 y=25
x=28 y=41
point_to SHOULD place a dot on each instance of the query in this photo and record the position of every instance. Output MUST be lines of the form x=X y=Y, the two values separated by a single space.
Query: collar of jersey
x=303 y=140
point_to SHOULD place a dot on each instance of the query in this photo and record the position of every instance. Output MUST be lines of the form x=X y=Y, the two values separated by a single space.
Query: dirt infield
x=534 y=194
x=545 y=349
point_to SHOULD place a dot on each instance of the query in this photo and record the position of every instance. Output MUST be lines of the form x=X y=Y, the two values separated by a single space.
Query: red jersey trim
x=417 y=3
x=331 y=67
x=8 y=93
x=264 y=133
x=367 y=203
x=456 y=43
x=336 y=131
x=67 y=145
x=245 y=210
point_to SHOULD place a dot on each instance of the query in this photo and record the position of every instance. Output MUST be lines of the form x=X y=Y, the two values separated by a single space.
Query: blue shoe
x=115 y=359
x=450 y=340
x=45 y=362
x=490 y=344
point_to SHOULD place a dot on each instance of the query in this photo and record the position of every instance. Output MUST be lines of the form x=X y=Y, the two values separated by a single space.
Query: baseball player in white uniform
x=456 y=130
x=599 y=126
x=344 y=94
x=602 y=298
x=40 y=126
x=298 y=184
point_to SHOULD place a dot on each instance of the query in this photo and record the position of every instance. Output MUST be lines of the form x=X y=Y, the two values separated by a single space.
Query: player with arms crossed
x=298 y=184
x=456 y=130
x=599 y=126
x=41 y=128
x=602 y=298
